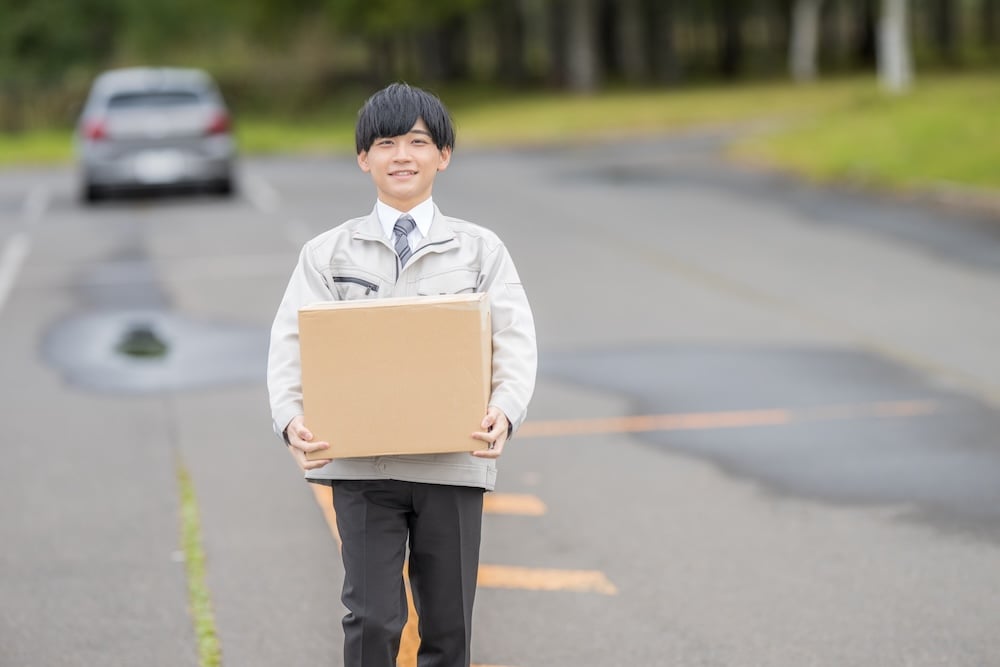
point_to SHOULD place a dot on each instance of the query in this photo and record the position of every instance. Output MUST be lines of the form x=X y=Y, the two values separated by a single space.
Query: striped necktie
x=400 y=231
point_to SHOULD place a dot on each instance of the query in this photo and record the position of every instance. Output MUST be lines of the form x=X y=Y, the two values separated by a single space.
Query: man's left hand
x=495 y=427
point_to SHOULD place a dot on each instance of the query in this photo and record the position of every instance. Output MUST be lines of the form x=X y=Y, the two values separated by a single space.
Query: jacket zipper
x=371 y=287
x=412 y=257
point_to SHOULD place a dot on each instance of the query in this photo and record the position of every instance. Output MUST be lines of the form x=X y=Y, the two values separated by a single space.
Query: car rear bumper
x=157 y=168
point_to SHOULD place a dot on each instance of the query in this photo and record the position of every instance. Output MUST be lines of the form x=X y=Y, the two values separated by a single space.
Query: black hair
x=394 y=110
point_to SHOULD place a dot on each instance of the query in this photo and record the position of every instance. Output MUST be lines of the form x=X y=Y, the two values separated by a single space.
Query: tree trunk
x=730 y=22
x=630 y=40
x=381 y=61
x=582 y=46
x=944 y=30
x=865 y=33
x=989 y=11
x=509 y=29
x=894 y=62
x=659 y=40
x=442 y=51
x=558 y=43
x=805 y=40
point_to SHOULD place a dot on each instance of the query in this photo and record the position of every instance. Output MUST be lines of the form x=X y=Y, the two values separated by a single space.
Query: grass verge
x=944 y=131
x=209 y=650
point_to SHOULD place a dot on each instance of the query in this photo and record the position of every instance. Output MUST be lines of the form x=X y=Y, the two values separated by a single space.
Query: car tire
x=92 y=194
x=224 y=187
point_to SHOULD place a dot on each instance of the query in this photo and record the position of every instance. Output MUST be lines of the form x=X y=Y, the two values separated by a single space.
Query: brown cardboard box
x=396 y=375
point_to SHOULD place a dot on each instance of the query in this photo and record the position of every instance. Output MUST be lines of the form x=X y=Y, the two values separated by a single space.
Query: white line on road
x=11 y=260
x=19 y=245
x=266 y=199
x=35 y=204
x=297 y=232
x=261 y=194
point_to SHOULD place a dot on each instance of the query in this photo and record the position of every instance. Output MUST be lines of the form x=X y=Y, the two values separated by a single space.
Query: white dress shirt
x=422 y=214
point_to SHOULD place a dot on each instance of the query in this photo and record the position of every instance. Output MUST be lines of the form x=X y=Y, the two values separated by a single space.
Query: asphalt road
x=765 y=430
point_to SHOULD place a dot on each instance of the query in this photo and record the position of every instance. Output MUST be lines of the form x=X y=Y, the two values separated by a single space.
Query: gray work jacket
x=356 y=261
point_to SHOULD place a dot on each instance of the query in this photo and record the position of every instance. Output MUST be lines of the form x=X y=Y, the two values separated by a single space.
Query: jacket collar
x=441 y=237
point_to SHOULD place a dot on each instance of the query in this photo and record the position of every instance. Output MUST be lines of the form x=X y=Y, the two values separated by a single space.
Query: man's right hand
x=300 y=441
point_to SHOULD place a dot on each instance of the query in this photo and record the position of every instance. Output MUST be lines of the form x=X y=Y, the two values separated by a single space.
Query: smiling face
x=403 y=168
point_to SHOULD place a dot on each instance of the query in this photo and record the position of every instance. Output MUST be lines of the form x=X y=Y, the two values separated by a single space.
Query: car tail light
x=219 y=123
x=95 y=130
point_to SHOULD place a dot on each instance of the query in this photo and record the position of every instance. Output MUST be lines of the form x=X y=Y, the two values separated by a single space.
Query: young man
x=406 y=247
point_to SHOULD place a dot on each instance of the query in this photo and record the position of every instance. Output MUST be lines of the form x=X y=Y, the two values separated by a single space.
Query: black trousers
x=444 y=525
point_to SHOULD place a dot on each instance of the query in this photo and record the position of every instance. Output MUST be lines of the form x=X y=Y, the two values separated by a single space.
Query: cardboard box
x=396 y=375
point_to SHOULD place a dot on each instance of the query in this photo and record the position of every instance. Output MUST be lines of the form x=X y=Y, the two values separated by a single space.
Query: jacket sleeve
x=284 y=370
x=515 y=356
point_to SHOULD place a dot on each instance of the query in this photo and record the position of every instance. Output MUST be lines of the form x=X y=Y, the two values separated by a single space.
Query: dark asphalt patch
x=943 y=466
x=967 y=237
x=123 y=296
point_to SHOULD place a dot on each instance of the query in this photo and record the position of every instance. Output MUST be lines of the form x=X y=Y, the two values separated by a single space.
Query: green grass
x=209 y=651
x=946 y=130
x=36 y=147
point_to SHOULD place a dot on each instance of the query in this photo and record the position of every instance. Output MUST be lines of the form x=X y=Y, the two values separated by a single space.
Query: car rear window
x=157 y=99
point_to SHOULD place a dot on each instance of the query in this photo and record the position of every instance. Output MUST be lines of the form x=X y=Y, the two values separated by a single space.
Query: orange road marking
x=534 y=579
x=727 y=419
x=324 y=498
x=513 y=503
x=409 y=642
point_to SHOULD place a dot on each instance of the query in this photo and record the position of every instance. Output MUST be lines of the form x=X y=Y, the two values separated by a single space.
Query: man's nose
x=402 y=151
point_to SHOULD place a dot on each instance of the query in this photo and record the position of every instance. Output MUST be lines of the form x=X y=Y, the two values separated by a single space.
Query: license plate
x=158 y=167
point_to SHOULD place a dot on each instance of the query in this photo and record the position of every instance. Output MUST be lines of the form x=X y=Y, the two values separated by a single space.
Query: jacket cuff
x=281 y=420
x=514 y=414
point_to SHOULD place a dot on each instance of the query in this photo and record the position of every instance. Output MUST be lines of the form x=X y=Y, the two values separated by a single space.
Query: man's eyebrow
x=423 y=132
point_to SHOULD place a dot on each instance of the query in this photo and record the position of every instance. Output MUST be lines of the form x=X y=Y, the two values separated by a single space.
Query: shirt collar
x=423 y=215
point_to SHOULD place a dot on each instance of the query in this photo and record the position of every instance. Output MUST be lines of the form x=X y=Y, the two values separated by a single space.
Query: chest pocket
x=349 y=288
x=456 y=281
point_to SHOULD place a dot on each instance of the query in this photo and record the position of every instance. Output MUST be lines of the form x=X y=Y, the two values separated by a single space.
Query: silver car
x=152 y=128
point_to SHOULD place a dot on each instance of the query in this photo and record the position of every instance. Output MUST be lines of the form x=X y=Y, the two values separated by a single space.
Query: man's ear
x=363 y=161
x=445 y=158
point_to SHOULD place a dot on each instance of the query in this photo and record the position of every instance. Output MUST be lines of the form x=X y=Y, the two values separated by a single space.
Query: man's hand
x=495 y=428
x=300 y=442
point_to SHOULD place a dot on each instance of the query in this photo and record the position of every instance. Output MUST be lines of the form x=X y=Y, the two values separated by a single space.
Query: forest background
x=295 y=71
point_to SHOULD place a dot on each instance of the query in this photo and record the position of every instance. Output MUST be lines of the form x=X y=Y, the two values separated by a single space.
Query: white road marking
x=297 y=232
x=14 y=253
x=16 y=250
x=266 y=199
x=261 y=194
x=35 y=204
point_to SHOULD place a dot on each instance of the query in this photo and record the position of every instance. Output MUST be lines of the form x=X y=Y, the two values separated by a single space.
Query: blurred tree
x=393 y=27
x=865 y=33
x=40 y=38
x=630 y=41
x=661 y=54
x=558 y=43
x=805 y=39
x=945 y=27
x=509 y=25
x=582 y=74
x=894 y=62
x=989 y=16
x=729 y=22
